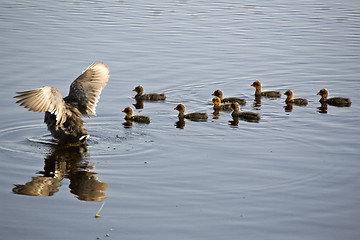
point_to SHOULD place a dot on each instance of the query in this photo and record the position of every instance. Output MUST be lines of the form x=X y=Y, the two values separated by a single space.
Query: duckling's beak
x=319 y=93
x=252 y=85
x=285 y=93
x=229 y=107
x=123 y=111
x=213 y=94
x=212 y=101
x=175 y=108
x=134 y=89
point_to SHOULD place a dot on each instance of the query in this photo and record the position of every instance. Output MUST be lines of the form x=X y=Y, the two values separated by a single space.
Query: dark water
x=293 y=175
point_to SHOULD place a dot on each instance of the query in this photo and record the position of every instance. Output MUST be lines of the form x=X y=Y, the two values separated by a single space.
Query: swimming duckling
x=218 y=93
x=218 y=105
x=140 y=95
x=191 y=116
x=63 y=115
x=291 y=100
x=258 y=92
x=135 y=118
x=334 y=101
x=244 y=115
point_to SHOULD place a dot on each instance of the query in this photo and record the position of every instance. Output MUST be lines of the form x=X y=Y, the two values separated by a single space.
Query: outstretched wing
x=86 y=89
x=43 y=100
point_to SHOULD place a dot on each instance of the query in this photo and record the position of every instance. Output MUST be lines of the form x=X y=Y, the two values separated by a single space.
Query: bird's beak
x=213 y=94
x=175 y=108
x=252 y=85
x=134 y=90
x=318 y=93
x=123 y=111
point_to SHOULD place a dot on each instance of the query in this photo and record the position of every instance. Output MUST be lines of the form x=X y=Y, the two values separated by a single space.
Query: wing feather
x=86 y=89
x=43 y=100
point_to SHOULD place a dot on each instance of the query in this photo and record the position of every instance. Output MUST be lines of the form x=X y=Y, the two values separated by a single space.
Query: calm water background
x=293 y=175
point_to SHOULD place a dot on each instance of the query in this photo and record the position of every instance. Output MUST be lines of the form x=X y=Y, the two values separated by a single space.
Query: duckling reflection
x=289 y=107
x=323 y=108
x=65 y=162
x=234 y=122
x=139 y=104
x=216 y=114
x=257 y=102
x=127 y=124
x=180 y=124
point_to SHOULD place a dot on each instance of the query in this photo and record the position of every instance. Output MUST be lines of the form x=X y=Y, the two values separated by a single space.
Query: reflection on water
x=257 y=102
x=139 y=104
x=127 y=124
x=234 y=122
x=65 y=162
x=323 y=108
x=180 y=124
x=288 y=107
x=216 y=114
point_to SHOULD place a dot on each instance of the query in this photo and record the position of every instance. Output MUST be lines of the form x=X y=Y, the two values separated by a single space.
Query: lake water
x=293 y=175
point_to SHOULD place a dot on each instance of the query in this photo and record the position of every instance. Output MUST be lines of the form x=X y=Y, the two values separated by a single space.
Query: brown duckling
x=135 y=118
x=63 y=115
x=218 y=93
x=291 y=100
x=244 y=115
x=334 y=101
x=218 y=105
x=140 y=95
x=191 y=116
x=259 y=92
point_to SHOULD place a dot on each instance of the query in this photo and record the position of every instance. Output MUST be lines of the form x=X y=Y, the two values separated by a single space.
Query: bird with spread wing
x=63 y=115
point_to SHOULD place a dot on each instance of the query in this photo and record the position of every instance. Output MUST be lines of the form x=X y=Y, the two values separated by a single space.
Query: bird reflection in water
x=139 y=104
x=180 y=124
x=216 y=114
x=289 y=107
x=323 y=108
x=127 y=124
x=66 y=162
x=257 y=103
x=234 y=122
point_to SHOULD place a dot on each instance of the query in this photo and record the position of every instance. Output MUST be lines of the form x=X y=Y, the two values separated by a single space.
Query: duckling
x=63 y=115
x=218 y=93
x=291 y=100
x=191 y=116
x=244 y=115
x=149 y=96
x=258 y=92
x=218 y=106
x=334 y=101
x=135 y=118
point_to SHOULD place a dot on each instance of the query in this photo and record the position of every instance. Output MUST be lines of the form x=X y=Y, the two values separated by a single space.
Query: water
x=292 y=175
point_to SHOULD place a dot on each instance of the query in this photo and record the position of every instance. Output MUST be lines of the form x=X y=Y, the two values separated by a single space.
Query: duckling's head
x=216 y=101
x=234 y=106
x=289 y=93
x=180 y=107
x=128 y=111
x=256 y=85
x=218 y=93
x=323 y=93
x=139 y=89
